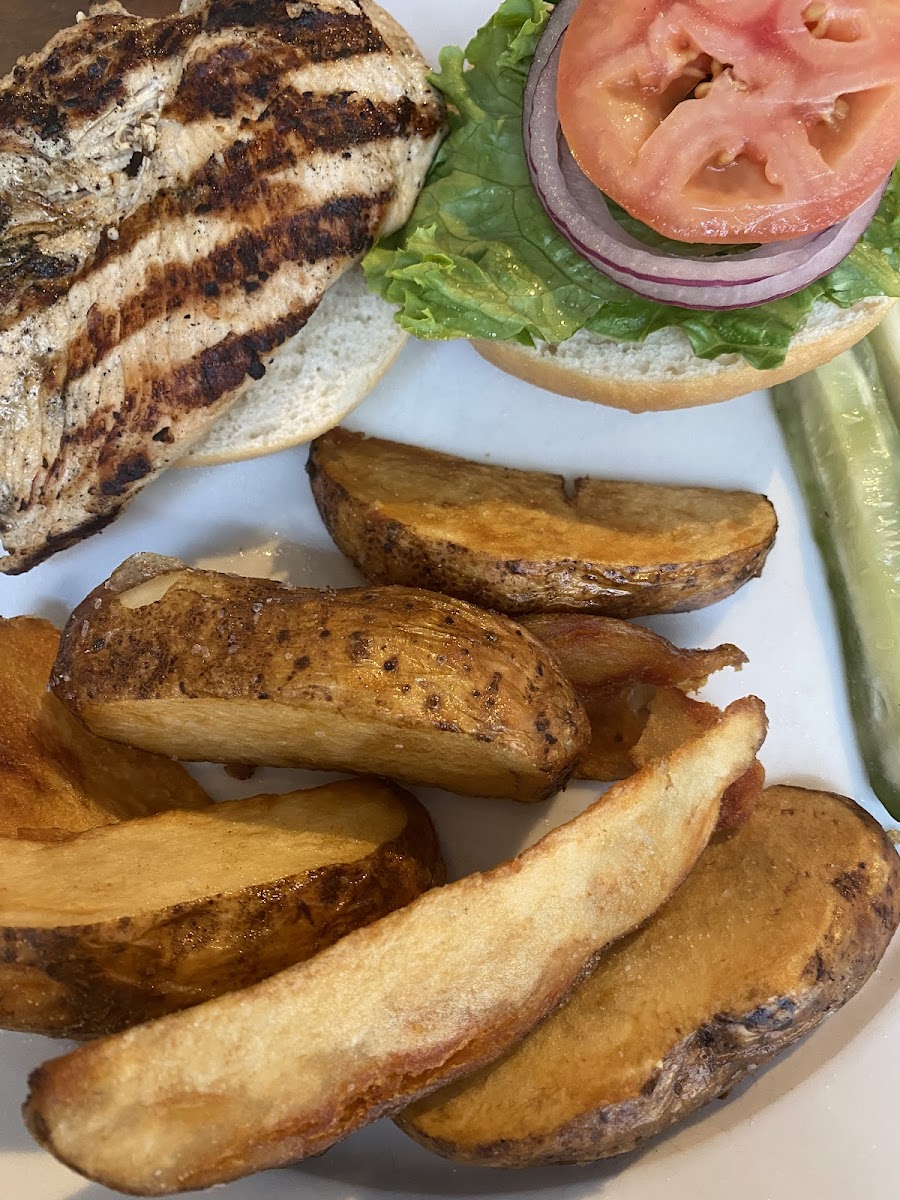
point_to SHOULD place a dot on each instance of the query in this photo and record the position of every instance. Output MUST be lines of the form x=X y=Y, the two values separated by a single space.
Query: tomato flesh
x=731 y=121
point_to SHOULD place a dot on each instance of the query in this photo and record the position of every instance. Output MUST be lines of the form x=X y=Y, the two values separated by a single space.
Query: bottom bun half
x=663 y=372
x=312 y=381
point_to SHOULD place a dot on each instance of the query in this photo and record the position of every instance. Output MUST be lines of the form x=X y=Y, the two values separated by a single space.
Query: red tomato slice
x=733 y=120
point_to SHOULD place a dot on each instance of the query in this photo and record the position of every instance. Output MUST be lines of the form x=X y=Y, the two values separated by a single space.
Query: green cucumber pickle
x=885 y=341
x=842 y=430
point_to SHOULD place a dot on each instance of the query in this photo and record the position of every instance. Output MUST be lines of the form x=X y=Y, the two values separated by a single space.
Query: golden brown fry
x=268 y=1076
x=617 y=668
x=127 y=922
x=740 y=799
x=672 y=718
x=749 y=955
x=387 y=681
x=517 y=542
x=602 y=653
x=57 y=778
x=617 y=723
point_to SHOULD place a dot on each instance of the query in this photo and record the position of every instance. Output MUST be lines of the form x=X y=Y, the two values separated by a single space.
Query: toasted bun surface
x=312 y=381
x=663 y=372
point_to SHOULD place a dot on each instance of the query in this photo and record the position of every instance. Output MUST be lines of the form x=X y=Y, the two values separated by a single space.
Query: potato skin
x=397 y=681
x=666 y=576
x=87 y=981
x=721 y=1051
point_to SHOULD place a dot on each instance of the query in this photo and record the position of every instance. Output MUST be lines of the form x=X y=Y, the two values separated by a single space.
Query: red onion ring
x=580 y=212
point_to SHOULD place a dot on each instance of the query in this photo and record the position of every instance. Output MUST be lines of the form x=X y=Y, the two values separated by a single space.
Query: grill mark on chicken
x=81 y=81
x=234 y=179
x=42 y=273
x=63 y=539
x=196 y=384
x=77 y=84
x=309 y=26
x=220 y=82
x=240 y=183
x=333 y=121
x=32 y=280
x=215 y=253
x=217 y=370
x=212 y=374
x=340 y=227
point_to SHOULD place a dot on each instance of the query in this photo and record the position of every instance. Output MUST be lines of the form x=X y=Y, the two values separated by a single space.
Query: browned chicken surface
x=175 y=196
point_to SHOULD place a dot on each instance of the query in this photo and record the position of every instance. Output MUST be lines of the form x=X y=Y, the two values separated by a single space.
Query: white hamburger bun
x=312 y=381
x=664 y=373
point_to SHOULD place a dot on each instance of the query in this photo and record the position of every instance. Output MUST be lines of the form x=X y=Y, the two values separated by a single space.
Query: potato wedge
x=270 y=1075
x=617 y=724
x=518 y=542
x=387 y=681
x=750 y=954
x=672 y=718
x=617 y=668
x=604 y=653
x=56 y=778
x=128 y=922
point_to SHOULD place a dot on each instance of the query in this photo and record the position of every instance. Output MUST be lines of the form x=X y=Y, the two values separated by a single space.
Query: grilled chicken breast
x=175 y=197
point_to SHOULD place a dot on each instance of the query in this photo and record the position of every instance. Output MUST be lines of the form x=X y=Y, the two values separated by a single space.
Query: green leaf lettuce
x=479 y=257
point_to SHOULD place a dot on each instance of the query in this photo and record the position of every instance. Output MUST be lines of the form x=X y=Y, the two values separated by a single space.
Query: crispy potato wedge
x=750 y=954
x=426 y=994
x=605 y=653
x=617 y=724
x=128 y=922
x=632 y=728
x=740 y=799
x=387 y=681
x=672 y=718
x=57 y=778
x=518 y=542
x=617 y=668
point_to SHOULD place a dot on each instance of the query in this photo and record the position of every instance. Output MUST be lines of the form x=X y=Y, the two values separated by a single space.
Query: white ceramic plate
x=822 y=1122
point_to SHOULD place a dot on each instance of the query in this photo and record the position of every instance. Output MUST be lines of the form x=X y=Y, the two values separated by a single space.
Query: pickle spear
x=885 y=341
x=844 y=440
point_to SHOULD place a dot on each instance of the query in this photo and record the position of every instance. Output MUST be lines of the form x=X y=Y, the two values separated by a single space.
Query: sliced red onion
x=580 y=212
